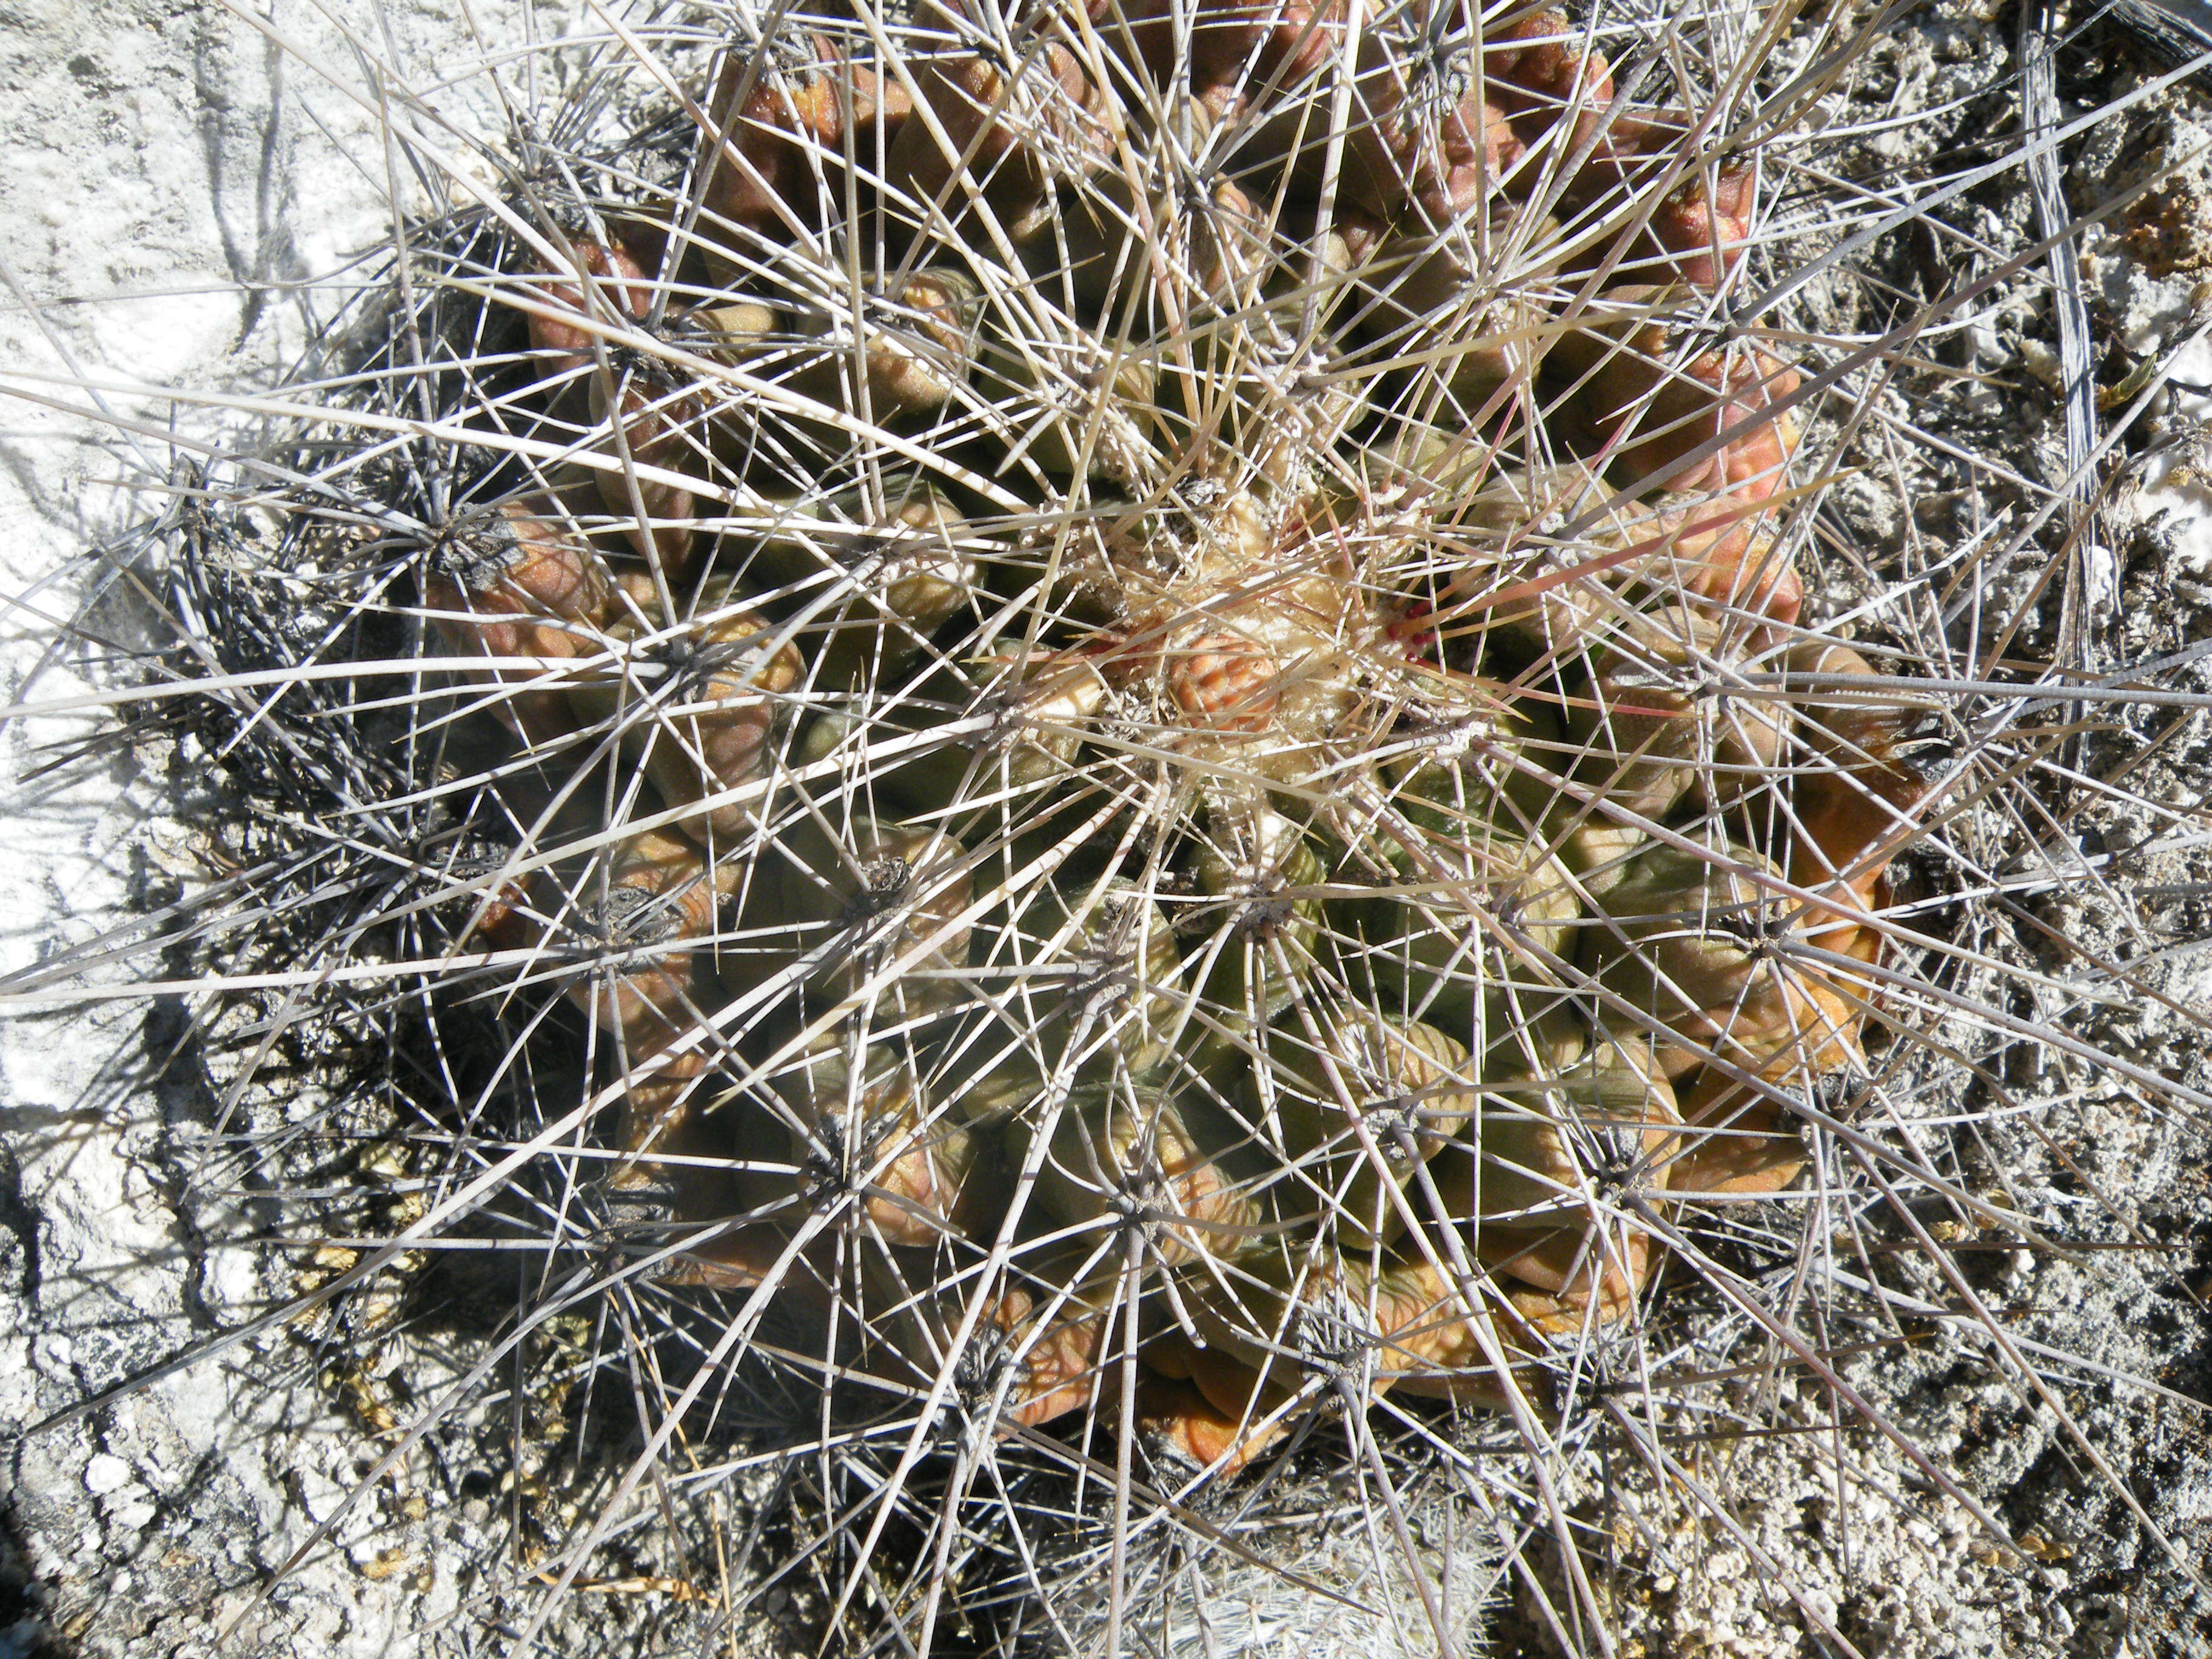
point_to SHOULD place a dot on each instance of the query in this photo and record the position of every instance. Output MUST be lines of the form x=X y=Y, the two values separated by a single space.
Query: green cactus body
x=844 y=907
x=1071 y=405
x=1287 y=1309
x=1460 y=921
x=1083 y=986
x=1263 y=917
x=1358 y=1107
x=1461 y=796
x=914 y=1172
x=913 y=347
x=1122 y=1156
x=1428 y=318
x=1680 y=942
x=700 y=703
x=1547 y=1138
x=1656 y=736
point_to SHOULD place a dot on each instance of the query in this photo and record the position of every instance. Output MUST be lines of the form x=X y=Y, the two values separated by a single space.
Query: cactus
x=1023 y=645
x=1147 y=754
x=995 y=689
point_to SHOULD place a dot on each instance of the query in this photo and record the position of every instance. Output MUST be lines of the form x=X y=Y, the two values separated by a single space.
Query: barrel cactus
x=1115 y=704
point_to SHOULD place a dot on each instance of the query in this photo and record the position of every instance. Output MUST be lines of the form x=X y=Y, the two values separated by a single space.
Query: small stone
x=2040 y=360
x=105 y=1473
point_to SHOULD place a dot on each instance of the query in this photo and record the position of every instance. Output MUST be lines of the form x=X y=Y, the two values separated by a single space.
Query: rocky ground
x=175 y=172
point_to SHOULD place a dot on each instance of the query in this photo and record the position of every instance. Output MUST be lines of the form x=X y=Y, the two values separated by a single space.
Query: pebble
x=105 y=1473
